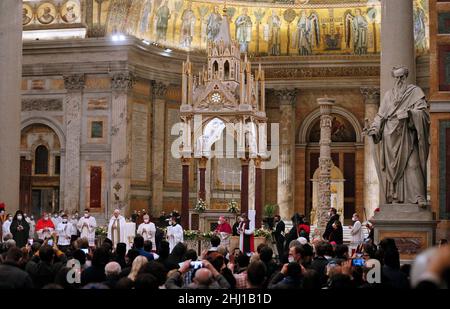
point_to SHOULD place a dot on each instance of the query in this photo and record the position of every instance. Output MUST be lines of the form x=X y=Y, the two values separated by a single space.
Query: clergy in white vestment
x=116 y=228
x=6 y=225
x=174 y=233
x=86 y=225
x=64 y=232
x=73 y=222
x=147 y=230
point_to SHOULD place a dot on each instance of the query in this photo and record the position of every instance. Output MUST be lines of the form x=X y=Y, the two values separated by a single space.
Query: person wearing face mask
x=6 y=225
x=116 y=228
x=73 y=221
x=19 y=229
x=174 y=233
x=245 y=231
x=224 y=231
x=86 y=225
x=357 y=233
x=31 y=223
x=55 y=219
x=147 y=230
x=278 y=236
x=3 y=219
x=44 y=227
x=64 y=232
x=333 y=215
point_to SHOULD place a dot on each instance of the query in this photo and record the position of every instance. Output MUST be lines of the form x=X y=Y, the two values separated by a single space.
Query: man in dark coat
x=329 y=228
x=290 y=277
x=44 y=271
x=20 y=229
x=11 y=276
x=278 y=235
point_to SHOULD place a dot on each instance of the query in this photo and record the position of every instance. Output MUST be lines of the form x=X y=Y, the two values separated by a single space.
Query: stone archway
x=41 y=161
x=347 y=151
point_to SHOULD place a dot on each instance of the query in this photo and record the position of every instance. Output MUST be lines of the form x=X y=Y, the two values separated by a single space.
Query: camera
x=196 y=264
x=358 y=262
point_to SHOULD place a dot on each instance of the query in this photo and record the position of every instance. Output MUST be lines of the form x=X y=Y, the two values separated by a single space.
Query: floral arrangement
x=233 y=207
x=191 y=234
x=207 y=235
x=200 y=206
x=101 y=230
x=263 y=233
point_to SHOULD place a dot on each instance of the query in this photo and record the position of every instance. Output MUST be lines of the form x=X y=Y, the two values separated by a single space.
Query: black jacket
x=280 y=281
x=329 y=227
x=12 y=277
x=42 y=273
x=337 y=235
x=319 y=264
x=279 y=232
x=21 y=237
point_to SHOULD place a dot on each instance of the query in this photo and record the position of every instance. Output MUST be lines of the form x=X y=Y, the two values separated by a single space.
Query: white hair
x=112 y=268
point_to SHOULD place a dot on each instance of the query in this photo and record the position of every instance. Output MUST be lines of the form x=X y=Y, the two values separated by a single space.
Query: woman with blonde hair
x=136 y=266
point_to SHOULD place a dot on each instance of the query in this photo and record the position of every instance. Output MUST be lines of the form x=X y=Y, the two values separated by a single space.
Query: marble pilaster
x=285 y=195
x=159 y=110
x=371 y=97
x=74 y=85
x=397 y=40
x=121 y=83
x=10 y=101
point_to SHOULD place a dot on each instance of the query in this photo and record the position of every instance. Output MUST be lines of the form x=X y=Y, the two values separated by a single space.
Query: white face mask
x=19 y=217
x=86 y=215
x=218 y=222
x=46 y=218
x=64 y=221
x=146 y=221
x=291 y=259
x=10 y=218
x=354 y=219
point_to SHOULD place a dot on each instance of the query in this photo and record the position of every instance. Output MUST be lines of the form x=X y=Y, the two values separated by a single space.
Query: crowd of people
x=299 y=259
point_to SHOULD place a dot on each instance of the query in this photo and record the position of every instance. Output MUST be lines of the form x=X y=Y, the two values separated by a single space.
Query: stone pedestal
x=413 y=228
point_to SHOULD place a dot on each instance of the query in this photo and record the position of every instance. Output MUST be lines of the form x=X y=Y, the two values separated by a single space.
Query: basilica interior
x=110 y=89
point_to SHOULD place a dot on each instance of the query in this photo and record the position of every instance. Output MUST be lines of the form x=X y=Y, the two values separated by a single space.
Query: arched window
x=41 y=160
x=215 y=67
x=226 y=69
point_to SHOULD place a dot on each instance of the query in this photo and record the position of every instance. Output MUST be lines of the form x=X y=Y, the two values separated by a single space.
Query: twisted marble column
x=325 y=162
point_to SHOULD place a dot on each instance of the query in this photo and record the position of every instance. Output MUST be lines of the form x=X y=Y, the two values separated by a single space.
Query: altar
x=207 y=221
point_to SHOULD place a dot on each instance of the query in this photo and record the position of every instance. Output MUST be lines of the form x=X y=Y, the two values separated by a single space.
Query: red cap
x=2 y=206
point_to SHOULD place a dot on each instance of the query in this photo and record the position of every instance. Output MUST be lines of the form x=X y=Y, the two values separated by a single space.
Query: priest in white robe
x=174 y=233
x=147 y=230
x=86 y=225
x=116 y=228
x=64 y=232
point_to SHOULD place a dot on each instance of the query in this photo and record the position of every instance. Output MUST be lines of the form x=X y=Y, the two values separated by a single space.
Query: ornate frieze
x=74 y=82
x=122 y=81
x=159 y=89
x=322 y=72
x=29 y=105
